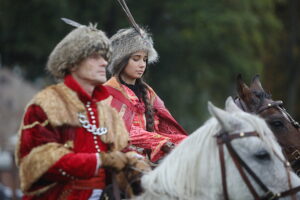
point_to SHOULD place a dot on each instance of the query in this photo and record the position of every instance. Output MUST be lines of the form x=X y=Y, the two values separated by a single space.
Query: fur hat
x=128 y=41
x=76 y=46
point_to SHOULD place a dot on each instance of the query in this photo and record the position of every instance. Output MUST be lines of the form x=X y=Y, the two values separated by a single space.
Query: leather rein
x=225 y=139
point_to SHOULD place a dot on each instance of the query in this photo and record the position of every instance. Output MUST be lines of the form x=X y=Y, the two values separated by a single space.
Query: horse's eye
x=262 y=155
x=276 y=124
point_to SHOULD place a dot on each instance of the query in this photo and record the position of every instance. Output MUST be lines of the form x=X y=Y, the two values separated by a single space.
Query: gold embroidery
x=69 y=144
x=157 y=136
x=123 y=110
x=45 y=123
x=158 y=147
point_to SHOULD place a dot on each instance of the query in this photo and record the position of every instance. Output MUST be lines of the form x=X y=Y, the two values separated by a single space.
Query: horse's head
x=254 y=99
x=193 y=169
x=251 y=146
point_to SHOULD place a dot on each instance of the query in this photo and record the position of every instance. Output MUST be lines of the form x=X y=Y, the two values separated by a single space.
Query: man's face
x=91 y=70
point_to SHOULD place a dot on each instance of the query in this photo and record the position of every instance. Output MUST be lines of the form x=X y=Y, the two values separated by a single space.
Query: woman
x=153 y=130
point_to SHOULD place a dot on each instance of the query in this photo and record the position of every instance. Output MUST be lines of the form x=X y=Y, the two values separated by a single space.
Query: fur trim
x=76 y=46
x=34 y=165
x=128 y=41
x=115 y=83
x=117 y=134
x=61 y=105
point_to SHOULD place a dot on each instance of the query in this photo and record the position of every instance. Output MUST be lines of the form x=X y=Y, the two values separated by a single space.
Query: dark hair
x=149 y=112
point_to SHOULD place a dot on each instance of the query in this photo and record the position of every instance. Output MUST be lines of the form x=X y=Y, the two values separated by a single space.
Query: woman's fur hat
x=76 y=46
x=128 y=41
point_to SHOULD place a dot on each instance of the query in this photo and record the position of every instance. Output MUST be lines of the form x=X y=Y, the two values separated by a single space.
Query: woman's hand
x=168 y=147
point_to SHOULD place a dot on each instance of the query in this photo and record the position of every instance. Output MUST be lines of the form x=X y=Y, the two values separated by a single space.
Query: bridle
x=273 y=104
x=225 y=139
x=279 y=106
x=295 y=155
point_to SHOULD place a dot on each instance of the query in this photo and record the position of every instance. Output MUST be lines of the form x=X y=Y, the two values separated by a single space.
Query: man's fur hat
x=76 y=46
x=128 y=41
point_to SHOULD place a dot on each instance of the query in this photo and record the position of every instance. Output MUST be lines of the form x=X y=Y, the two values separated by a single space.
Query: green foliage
x=203 y=44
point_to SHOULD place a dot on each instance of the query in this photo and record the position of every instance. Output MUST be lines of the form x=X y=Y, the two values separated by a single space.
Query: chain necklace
x=89 y=127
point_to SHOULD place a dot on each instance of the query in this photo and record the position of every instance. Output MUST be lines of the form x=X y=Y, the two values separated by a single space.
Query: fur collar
x=62 y=105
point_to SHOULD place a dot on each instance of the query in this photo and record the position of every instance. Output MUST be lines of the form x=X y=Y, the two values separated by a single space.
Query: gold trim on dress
x=45 y=123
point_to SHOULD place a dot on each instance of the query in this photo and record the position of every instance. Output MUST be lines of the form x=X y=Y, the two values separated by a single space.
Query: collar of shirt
x=100 y=93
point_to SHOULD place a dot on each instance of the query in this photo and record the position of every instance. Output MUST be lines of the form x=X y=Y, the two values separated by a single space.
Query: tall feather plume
x=130 y=17
x=71 y=22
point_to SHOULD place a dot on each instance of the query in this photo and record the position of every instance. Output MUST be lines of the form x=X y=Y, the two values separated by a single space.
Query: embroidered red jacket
x=57 y=157
x=166 y=127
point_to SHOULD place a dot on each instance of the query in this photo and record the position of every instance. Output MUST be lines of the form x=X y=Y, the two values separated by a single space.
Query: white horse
x=192 y=171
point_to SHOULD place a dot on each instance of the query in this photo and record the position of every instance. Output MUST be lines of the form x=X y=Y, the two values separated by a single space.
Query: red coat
x=57 y=157
x=166 y=127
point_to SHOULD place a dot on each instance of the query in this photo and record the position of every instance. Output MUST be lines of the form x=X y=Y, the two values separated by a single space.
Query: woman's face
x=135 y=68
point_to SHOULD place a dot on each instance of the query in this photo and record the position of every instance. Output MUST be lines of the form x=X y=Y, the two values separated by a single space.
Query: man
x=70 y=133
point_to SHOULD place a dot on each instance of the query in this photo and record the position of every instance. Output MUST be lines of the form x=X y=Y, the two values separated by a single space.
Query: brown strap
x=269 y=105
x=224 y=138
x=290 y=192
x=116 y=189
x=290 y=182
x=241 y=171
x=223 y=171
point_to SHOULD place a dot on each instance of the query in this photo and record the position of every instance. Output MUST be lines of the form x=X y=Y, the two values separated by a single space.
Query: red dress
x=132 y=110
x=57 y=157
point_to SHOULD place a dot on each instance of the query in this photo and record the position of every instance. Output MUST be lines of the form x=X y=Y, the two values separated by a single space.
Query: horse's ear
x=256 y=85
x=230 y=106
x=242 y=89
x=226 y=120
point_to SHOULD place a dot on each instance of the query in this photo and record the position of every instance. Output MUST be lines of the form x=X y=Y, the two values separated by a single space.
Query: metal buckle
x=298 y=172
x=296 y=155
x=271 y=196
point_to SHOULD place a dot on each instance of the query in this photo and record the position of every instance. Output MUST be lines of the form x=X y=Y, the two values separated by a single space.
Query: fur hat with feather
x=79 y=44
x=128 y=41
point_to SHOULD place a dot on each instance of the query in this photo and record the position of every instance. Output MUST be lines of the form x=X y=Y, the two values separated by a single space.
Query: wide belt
x=89 y=184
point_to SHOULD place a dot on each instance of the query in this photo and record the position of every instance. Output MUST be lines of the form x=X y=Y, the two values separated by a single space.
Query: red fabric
x=99 y=93
x=166 y=127
x=81 y=164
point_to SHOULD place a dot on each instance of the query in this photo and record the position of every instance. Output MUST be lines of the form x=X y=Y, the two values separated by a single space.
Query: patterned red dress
x=132 y=110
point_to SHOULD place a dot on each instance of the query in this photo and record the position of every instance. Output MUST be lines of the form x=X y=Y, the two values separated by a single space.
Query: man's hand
x=116 y=160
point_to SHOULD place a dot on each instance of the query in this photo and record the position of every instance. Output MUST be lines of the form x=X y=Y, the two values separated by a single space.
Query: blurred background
x=203 y=45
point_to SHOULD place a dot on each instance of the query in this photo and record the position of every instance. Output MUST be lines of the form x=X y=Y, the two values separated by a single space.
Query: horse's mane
x=197 y=156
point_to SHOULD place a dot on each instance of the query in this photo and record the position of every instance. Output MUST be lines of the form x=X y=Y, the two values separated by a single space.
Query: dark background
x=203 y=45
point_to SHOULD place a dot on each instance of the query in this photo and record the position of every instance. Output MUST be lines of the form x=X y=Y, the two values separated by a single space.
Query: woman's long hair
x=143 y=88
